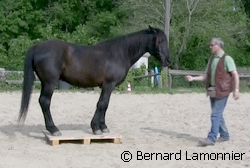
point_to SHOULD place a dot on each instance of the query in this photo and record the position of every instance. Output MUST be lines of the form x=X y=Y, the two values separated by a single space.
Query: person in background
x=221 y=79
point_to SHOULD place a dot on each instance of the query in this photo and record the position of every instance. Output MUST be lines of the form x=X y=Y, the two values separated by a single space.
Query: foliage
x=193 y=23
x=24 y=23
x=17 y=51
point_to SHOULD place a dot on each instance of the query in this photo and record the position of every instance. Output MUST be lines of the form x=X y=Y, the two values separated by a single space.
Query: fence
x=244 y=75
x=16 y=77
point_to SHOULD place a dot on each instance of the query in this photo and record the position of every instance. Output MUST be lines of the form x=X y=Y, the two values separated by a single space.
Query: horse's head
x=159 y=46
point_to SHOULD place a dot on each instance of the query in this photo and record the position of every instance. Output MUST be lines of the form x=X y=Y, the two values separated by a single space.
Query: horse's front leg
x=98 y=124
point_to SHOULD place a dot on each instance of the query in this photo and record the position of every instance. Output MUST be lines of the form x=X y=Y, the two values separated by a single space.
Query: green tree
x=28 y=22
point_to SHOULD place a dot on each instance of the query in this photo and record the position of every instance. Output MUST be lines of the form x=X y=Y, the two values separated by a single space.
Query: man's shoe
x=220 y=139
x=205 y=142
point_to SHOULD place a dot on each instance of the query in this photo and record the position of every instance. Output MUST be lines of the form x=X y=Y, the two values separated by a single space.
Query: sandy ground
x=159 y=123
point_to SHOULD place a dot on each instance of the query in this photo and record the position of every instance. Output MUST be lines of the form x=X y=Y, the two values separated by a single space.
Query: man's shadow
x=35 y=131
x=172 y=134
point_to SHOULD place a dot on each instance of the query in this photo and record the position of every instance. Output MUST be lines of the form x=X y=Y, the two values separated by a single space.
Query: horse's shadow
x=172 y=134
x=35 y=131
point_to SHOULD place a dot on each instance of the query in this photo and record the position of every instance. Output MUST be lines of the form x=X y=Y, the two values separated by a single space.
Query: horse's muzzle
x=166 y=63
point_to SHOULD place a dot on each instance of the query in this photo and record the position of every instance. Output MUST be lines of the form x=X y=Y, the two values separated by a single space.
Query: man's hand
x=236 y=84
x=196 y=78
x=236 y=95
x=189 y=78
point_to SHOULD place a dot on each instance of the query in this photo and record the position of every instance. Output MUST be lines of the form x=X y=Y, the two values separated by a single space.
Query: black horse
x=105 y=64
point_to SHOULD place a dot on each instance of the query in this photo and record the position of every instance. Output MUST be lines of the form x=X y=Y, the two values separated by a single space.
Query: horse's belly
x=83 y=79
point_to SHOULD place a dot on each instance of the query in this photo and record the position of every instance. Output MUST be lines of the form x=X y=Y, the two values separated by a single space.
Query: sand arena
x=159 y=123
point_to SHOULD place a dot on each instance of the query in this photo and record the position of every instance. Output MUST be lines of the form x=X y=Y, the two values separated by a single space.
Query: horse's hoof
x=97 y=132
x=57 y=133
x=105 y=130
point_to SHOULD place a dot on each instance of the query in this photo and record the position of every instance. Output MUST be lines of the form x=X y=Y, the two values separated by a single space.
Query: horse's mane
x=124 y=39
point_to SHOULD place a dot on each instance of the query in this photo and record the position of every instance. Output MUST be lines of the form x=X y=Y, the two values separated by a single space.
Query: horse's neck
x=135 y=57
x=135 y=52
x=133 y=47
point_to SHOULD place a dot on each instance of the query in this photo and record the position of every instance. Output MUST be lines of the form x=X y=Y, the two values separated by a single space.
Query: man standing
x=221 y=78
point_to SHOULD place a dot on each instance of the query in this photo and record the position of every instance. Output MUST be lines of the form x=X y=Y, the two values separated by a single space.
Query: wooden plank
x=17 y=81
x=242 y=75
x=81 y=136
x=145 y=76
x=117 y=140
x=5 y=73
x=184 y=72
x=55 y=142
x=14 y=81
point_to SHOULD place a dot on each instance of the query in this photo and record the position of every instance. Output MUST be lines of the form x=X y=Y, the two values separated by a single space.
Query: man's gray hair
x=218 y=41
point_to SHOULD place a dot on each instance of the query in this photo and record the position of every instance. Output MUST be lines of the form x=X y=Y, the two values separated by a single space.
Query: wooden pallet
x=82 y=137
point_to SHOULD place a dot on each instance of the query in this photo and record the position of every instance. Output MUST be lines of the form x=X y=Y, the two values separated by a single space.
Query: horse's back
x=49 y=45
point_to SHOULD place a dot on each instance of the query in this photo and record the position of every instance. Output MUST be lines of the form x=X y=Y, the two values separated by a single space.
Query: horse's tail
x=28 y=79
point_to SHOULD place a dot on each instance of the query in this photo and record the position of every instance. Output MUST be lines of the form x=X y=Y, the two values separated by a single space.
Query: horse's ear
x=151 y=29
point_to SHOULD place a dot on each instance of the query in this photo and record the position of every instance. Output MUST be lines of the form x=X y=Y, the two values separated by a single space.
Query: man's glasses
x=211 y=45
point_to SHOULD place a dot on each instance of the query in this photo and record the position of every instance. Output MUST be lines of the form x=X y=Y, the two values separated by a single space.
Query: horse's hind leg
x=98 y=124
x=45 y=100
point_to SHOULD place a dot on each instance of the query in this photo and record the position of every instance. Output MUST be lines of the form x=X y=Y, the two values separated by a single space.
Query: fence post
x=152 y=77
x=164 y=77
x=2 y=73
x=160 y=81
